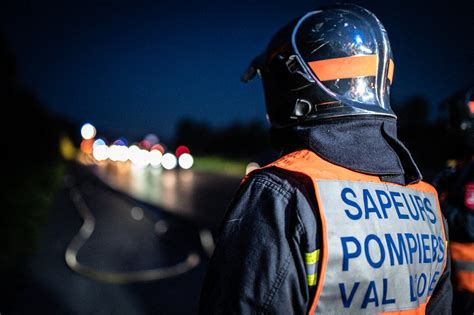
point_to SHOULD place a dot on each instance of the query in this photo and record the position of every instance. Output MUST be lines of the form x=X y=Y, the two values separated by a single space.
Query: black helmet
x=461 y=111
x=461 y=118
x=332 y=62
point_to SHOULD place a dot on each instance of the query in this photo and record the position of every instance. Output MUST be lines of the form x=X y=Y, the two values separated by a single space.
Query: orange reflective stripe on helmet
x=391 y=69
x=348 y=67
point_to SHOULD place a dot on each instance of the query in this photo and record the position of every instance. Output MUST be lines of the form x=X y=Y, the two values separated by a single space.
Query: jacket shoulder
x=287 y=182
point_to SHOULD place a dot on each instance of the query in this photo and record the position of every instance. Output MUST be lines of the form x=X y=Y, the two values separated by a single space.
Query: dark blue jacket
x=258 y=266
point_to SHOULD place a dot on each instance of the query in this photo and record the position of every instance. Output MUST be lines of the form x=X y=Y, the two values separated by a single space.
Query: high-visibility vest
x=462 y=255
x=383 y=245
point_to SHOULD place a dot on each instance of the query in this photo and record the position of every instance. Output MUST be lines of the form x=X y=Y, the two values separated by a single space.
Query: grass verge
x=220 y=165
x=28 y=196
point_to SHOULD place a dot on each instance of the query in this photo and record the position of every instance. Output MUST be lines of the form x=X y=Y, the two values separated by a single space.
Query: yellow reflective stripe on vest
x=311 y=262
x=312 y=279
x=384 y=245
x=312 y=258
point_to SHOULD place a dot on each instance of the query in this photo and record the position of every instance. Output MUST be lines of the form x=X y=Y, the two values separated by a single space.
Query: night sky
x=141 y=66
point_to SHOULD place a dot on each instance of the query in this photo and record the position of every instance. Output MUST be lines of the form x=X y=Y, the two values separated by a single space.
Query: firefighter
x=455 y=185
x=341 y=223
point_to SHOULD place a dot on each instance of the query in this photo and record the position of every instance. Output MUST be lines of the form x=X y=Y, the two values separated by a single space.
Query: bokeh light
x=88 y=131
x=155 y=157
x=118 y=153
x=139 y=157
x=186 y=161
x=152 y=138
x=145 y=144
x=181 y=150
x=114 y=153
x=251 y=167
x=101 y=152
x=158 y=147
x=66 y=147
x=134 y=154
x=98 y=142
x=137 y=213
x=121 y=142
x=161 y=227
x=86 y=146
x=169 y=161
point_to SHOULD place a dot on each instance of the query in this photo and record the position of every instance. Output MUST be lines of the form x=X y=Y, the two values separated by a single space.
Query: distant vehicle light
x=186 y=161
x=66 y=147
x=181 y=150
x=86 y=146
x=152 y=138
x=101 y=152
x=121 y=142
x=169 y=161
x=114 y=152
x=155 y=157
x=88 y=131
x=145 y=144
x=98 y=142
x=133 y=153
x=141 y=158
x=158 y=147
x=118 y=153
x=124 y=153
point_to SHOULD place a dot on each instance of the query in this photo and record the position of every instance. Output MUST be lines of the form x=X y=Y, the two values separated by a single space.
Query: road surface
x=201 y=197
x=122 y=249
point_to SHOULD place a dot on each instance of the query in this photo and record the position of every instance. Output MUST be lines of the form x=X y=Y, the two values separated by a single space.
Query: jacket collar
x=363 y=144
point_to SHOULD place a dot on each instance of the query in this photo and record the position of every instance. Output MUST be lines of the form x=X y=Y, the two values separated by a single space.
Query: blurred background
x=126 y=131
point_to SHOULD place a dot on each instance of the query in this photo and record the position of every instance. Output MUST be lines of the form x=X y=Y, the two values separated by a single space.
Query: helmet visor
x=348 y=54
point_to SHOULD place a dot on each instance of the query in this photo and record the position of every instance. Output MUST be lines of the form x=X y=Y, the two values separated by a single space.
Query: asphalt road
x=200 y=197
x=124 y=258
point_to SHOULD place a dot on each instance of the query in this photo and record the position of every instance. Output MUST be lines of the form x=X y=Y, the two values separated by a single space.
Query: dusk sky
x=141 y=66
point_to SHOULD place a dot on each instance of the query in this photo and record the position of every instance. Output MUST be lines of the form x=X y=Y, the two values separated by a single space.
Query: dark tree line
x=429 y=141
x=237 y=141
x=28 y=131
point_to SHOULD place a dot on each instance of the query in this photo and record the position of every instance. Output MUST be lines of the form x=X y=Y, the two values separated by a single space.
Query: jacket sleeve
x=257 y=266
